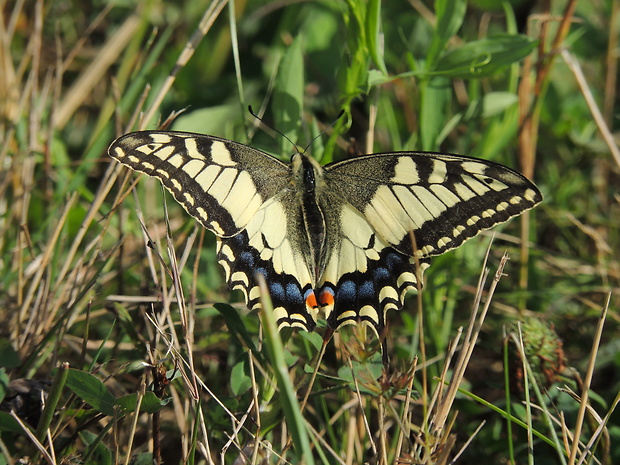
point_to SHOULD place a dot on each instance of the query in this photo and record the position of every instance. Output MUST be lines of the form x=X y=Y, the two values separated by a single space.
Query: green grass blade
x=288 y=397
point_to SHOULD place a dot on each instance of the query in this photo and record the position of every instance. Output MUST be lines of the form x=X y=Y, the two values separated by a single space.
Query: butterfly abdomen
x=308 y=173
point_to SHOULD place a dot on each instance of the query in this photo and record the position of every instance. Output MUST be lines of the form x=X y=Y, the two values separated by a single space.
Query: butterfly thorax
x=308 y=179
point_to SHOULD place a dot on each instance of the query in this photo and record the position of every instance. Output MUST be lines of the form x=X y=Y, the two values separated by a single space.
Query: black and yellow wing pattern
x=346 y=240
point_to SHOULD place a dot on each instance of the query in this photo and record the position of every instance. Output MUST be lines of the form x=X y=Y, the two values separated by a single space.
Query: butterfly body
x=348 y=239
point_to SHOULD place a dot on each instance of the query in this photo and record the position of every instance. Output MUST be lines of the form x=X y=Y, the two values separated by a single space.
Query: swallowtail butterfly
x=349 y=238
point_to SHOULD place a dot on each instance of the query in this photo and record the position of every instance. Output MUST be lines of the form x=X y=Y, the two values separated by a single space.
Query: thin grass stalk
x=528 y=404
x=165 y=293
x=529 y=120
x=214 y=10
x=134 y=424
x=16 y=13
x=34 y=122
x=136 y=115
x=320 y=440
x=438 y=394
x=233 y=439
x=60 y=379
x=436 y=424
x=190 y=458
x=587 y=381
x=91 y=76
x=598 y=434
x=256 y=403
x=152 y=253
x=424 y=391
x=205 y=436
x=611 y=62
x=608 y=137
x=194 y=290
x=542 y=407
x=383 y=459
x=41 y=448
x=188 y=335
x=351 y=440
x=182 y=368
x=467 y=443
x=511 y=452
x=104 y=188
x=361 y=403
x=234 y=44
x=43 y=268
x=290 y=405
x=405 y=418
x=315 y=372
x=82 y=277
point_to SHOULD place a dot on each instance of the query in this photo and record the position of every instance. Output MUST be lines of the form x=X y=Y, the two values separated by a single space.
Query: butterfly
x=347 y=239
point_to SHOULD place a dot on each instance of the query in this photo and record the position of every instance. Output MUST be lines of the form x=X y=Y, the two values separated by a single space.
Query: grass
x=112 y=299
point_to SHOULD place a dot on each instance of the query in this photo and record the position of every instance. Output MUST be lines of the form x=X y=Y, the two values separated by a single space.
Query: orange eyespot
x=311 y=300
x=326 y=298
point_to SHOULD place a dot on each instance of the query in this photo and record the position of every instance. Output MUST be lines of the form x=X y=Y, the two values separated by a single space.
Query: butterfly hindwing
x=288 y=291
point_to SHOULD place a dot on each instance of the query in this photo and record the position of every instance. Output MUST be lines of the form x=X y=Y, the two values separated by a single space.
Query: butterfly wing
x=364 y=276
x=443 y=199
x=389 y=210
x=240 y=194
x=219 y=182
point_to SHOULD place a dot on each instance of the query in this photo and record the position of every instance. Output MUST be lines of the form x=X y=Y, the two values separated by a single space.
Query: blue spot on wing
x=293 y=292
x=277 y=291
x=285 y=289
x=357 y=289
x=366 y=290
x=345 y=290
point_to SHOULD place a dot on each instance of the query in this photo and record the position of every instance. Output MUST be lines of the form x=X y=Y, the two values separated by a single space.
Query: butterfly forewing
x=442 y=199
x=219 y=182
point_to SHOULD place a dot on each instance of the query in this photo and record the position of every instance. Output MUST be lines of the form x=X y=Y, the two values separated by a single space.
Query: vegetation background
x=111 y=299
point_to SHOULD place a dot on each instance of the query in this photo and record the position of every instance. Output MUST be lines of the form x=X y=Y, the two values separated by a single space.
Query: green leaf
x=91 y=390
x=210 y=120
x=450 y=14
x=101 y=455
x=354 y=74
x=150 y=402
x=8 y=356
x=4 y=383
x=365 y=373
x=435 y=96
x=240 y=380
x=373 y=34
x=288 y=94
x=491 y=104
x=144 y=458
x=313 y=338
x=484 y=57
x=376 y=78
x=8 y=423
x=235 y=325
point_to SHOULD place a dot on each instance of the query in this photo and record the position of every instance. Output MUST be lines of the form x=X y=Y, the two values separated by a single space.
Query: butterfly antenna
x=286 y=137
x=270 y=127
x=325 y=130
